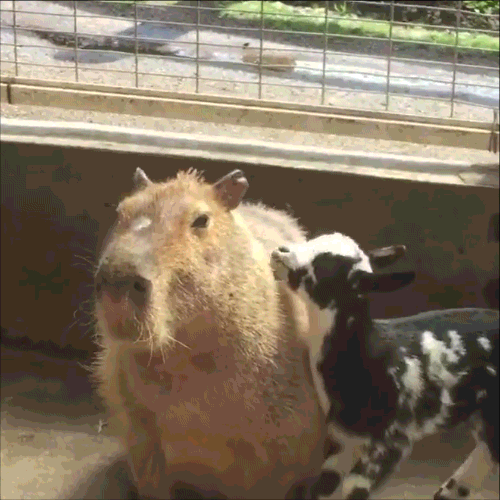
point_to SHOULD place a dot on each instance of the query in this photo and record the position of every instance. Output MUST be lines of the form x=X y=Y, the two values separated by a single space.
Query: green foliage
x=483 y=6
x=129 y=3
x=312 y=20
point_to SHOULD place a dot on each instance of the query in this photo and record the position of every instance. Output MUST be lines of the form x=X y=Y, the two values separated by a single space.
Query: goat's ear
x=140 y=179
x=231 y=188
x=383 y=257
x=368 y=282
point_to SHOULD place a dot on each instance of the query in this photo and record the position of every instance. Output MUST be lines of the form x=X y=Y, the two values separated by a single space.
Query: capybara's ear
x=141 y=179
x=231 y=188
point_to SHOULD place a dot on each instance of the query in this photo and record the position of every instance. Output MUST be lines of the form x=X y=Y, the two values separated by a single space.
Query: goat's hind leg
x=471 y=475
x=483 y=460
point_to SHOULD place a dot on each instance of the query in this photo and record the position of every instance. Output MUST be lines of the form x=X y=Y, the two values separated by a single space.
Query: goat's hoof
x=359 y=494
x=439 y=495
x=451 y=490
x=326 y=485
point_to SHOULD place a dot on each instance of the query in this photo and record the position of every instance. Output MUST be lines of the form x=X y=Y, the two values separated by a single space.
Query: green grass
x=312 y=19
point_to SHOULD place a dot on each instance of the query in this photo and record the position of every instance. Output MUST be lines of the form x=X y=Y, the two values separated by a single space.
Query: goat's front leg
x=380 y=460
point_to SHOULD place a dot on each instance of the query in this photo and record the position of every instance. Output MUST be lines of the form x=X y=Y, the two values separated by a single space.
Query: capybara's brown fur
x=273 y=60
x=201 y=364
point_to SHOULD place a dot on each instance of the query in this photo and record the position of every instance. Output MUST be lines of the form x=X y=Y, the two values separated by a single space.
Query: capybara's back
x=274 y=60
x=200 y=362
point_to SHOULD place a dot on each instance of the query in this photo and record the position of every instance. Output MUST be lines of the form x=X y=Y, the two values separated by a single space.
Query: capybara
x=200 y=360
x=274 y=60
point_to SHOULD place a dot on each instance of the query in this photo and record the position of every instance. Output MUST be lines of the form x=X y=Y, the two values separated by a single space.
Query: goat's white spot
x=402 y=350
x=432 y=425
x=445 y=397
x=429 y=426
x=353 y=449
x=414 y=432
x=392 y=371
x=456 y=344
x=481 y=394
x=320 y=324
x=437 y=351
x=141 y=222
x=412 y=380
x=373 y=468
x=353 y=481
x=484 y=343
x=491 y=370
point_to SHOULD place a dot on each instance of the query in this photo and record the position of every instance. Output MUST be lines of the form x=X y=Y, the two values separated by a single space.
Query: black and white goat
x=393 y=381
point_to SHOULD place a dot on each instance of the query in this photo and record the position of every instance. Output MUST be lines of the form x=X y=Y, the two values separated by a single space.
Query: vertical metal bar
x=76 y=38
x=455 y=60
x=325 y=48
x=198 y=4
x=16 y=67
x=389 y=58
x=261 y=45
x=136 y=48
x=493 y=143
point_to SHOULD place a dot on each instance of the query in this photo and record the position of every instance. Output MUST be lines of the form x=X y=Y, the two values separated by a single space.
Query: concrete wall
x=54 y=219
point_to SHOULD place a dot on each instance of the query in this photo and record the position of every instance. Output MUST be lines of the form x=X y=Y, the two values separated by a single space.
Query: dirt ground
x=51 y=439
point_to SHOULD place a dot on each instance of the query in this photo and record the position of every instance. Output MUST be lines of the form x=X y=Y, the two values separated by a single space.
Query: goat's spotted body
x=392 y=381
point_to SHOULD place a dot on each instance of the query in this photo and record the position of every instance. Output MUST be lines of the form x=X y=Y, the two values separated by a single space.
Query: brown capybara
x=201 y=364
x=274 y=60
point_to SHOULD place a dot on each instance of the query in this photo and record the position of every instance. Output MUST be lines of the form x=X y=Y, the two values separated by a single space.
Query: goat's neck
x=352 y=344
x=353 y=321
x=351 y=358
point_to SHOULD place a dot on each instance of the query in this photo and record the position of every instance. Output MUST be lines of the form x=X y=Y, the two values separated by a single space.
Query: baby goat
x=393 y=381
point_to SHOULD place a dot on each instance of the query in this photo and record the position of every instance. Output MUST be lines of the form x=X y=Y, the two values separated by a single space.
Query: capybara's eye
x=201 y=221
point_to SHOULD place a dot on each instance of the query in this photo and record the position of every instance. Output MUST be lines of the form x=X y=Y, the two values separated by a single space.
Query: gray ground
x=44 y=454
x=169 y=65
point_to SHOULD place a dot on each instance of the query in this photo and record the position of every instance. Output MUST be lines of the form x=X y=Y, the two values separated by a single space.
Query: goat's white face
x=333 y=267
x=317 y=266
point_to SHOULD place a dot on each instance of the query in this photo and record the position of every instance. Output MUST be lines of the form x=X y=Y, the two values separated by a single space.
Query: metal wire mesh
x=357 y=54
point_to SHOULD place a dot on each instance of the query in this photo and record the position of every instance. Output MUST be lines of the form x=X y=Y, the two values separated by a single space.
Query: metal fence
x=357 y=54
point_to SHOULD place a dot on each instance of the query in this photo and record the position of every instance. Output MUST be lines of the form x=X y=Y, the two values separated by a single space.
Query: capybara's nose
x=283 y=250
x=117 y=285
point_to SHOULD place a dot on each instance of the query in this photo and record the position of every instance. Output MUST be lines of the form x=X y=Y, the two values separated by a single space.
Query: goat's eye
x=200 y=221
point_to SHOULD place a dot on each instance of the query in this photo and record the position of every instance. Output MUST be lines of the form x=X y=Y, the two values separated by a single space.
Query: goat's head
x=332 y=269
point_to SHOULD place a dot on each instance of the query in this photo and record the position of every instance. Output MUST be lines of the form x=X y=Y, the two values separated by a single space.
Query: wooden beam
x=373 y=125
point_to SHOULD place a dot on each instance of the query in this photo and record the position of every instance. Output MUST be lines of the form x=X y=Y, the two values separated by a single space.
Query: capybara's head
x=180 y=268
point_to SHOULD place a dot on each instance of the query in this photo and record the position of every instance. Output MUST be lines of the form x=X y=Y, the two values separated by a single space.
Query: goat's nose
x=283 y=250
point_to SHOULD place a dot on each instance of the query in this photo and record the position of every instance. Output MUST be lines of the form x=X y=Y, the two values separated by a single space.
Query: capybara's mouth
x=119 y=316
x=121 y=302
